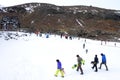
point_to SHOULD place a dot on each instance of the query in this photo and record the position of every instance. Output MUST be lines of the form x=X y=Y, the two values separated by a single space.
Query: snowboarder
x=95 y=62
x=76 y=65
x=59 y=68
x=79 y=63
x=103 y=61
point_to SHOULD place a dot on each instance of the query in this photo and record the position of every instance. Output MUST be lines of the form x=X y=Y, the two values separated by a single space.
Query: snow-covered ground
x=34 y=58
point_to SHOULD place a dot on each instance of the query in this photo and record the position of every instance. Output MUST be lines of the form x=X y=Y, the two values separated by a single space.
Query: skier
x=95 y=62
x=103 y=61
x=79 y=61
x=59 y=68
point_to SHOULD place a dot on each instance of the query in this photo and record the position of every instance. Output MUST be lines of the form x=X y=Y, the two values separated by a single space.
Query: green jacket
x=80 y=60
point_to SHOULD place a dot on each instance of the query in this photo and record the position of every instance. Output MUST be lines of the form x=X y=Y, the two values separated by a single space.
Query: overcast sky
x=108 y=4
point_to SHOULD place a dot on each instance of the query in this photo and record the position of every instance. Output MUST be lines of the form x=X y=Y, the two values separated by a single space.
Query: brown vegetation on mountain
x=83 y=21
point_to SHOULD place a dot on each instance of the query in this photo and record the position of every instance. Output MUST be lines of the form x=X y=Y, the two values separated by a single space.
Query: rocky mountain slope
x=83 y=21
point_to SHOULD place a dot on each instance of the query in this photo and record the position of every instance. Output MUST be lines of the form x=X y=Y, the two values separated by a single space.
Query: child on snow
x=59 y=68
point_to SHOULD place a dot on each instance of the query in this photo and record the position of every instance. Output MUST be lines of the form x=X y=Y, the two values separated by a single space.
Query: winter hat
x=101 y=54
x=57 y=60
x=77 y=55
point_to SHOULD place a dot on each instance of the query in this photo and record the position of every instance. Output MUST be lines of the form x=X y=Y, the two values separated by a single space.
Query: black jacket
x=96 y=60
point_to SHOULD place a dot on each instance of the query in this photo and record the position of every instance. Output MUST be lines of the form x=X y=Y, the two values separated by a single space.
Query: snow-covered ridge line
x=30 y=7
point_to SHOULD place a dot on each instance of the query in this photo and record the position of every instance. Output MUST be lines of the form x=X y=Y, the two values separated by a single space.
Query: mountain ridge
x=83 y=21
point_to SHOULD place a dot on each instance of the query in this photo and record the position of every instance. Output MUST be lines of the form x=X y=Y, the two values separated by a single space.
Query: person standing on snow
x=59 y=68
x=84 y=46
x=103 y=61
x=79 y=61
x=95 y=62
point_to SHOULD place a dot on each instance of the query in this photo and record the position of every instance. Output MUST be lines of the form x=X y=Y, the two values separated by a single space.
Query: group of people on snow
x=96 y=61
x=79 y=64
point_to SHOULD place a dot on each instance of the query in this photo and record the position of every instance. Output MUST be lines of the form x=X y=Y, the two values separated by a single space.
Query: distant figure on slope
x=115 y=44
x=59 y=68
x=61 y=35
x=70 y=37
x=47 y=35
x=95 y=62
x=84 y=46
x=103 y=61
x=86 y=51
x=101 y=43
x=79 y=61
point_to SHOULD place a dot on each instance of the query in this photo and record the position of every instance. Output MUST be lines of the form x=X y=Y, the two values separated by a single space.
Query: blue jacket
x=103 y=58
x=59 y=65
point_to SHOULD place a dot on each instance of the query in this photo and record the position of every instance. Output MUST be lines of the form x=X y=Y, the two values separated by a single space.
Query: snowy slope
x=34 y=58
